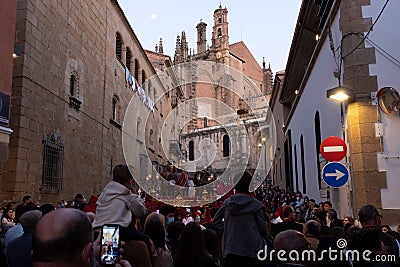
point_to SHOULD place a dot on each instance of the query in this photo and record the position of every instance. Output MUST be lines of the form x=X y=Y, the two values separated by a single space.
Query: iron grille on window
x=53 y=156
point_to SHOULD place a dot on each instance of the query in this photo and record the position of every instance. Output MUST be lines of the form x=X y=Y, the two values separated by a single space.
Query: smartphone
x=110 y=244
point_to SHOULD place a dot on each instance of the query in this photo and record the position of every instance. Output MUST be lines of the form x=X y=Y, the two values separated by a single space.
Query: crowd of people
x=240 y=230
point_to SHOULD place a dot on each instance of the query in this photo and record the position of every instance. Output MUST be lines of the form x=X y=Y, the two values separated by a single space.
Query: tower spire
x=178 y=48
x=184 y=46
x=160 y=47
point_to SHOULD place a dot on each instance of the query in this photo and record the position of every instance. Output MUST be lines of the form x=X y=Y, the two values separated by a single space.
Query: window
x=225 y=145
x=53 y=156
x=72 y=84
x=143 y=167
x=296 y=169
x=128 y=57
x=219 y=20
x=303 y=167
x=317 y=130
x=205 y=122
x=288 y=160
x=143 y=77
x=114 y=108
x=219 y=32
x=136 y=70
x=191 y=150
x=74 y=102
x=118 y=46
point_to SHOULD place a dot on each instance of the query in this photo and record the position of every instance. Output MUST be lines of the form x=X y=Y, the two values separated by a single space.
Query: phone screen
x=109 y=253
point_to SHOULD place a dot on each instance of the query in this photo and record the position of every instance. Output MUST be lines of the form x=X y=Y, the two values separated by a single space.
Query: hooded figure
x=245 y=226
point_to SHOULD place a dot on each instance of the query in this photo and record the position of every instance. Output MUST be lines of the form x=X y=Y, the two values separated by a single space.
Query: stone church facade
x=244 y=87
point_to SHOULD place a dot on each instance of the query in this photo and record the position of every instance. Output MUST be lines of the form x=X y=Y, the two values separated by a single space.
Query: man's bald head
x=290 y=240
x=61 y=236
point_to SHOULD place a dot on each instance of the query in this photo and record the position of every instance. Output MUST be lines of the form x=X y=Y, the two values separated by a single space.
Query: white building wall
x=313 y=99
x=386 y=40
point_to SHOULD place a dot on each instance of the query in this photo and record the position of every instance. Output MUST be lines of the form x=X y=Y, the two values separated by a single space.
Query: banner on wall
x=136 y=88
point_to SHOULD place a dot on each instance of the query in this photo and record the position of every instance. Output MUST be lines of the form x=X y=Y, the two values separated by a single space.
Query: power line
x=369 y=31
x=384 y=53
x=65 y=101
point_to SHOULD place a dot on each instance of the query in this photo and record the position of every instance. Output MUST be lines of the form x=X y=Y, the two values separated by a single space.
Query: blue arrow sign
x=335 y=174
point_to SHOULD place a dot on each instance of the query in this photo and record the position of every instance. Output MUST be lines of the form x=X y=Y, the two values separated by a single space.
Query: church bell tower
x=220 y=37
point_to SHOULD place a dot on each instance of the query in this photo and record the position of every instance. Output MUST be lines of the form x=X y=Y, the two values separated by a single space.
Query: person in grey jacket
x=117 y=203
x=245 y=226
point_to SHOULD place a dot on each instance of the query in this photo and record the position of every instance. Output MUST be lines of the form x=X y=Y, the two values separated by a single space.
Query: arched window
x=219 y=20
x=114 y=108
x=143 y=78
x=288 y=160
x=225 y=145
x=136 y=70
x=74 y=102
x=303 y=167
x=72 y=84
x=317 y=129
x=219 y=32
x=191 y=150
x=118 y=46
x=128 y=58
x=296 y=169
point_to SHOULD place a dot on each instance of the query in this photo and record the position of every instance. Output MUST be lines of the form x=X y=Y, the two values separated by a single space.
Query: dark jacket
x=283 y=226
x=245 y=225
x=19 y=251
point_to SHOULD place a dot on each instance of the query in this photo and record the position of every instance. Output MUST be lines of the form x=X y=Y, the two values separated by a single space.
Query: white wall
x=386 y=41
x=314 y=99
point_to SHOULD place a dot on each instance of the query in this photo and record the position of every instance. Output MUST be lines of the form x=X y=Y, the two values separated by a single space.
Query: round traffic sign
x=335 y=174
x=333 y=148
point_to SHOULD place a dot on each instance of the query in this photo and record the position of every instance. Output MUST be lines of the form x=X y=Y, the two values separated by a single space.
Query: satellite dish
x=388 y=100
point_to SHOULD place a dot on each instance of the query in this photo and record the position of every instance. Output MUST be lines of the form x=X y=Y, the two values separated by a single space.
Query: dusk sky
x=265 y=26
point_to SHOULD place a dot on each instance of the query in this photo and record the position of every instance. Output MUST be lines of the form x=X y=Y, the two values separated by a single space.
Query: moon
x=153 y=16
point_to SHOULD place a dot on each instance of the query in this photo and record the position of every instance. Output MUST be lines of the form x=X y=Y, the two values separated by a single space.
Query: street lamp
x=339 y=93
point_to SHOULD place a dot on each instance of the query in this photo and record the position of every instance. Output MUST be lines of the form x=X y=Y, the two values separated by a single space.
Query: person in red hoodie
x=91 y=206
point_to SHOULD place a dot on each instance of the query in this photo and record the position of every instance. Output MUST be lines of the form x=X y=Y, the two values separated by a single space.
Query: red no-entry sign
x=333 y=148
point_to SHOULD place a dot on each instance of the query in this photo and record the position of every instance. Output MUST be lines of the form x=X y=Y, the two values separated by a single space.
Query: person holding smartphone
x=64 y=238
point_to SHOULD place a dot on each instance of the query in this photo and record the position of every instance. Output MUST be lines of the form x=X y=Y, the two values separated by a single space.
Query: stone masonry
x=58 y=39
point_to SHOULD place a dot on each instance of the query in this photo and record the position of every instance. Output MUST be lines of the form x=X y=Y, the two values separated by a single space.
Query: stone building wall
x=58 y=39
